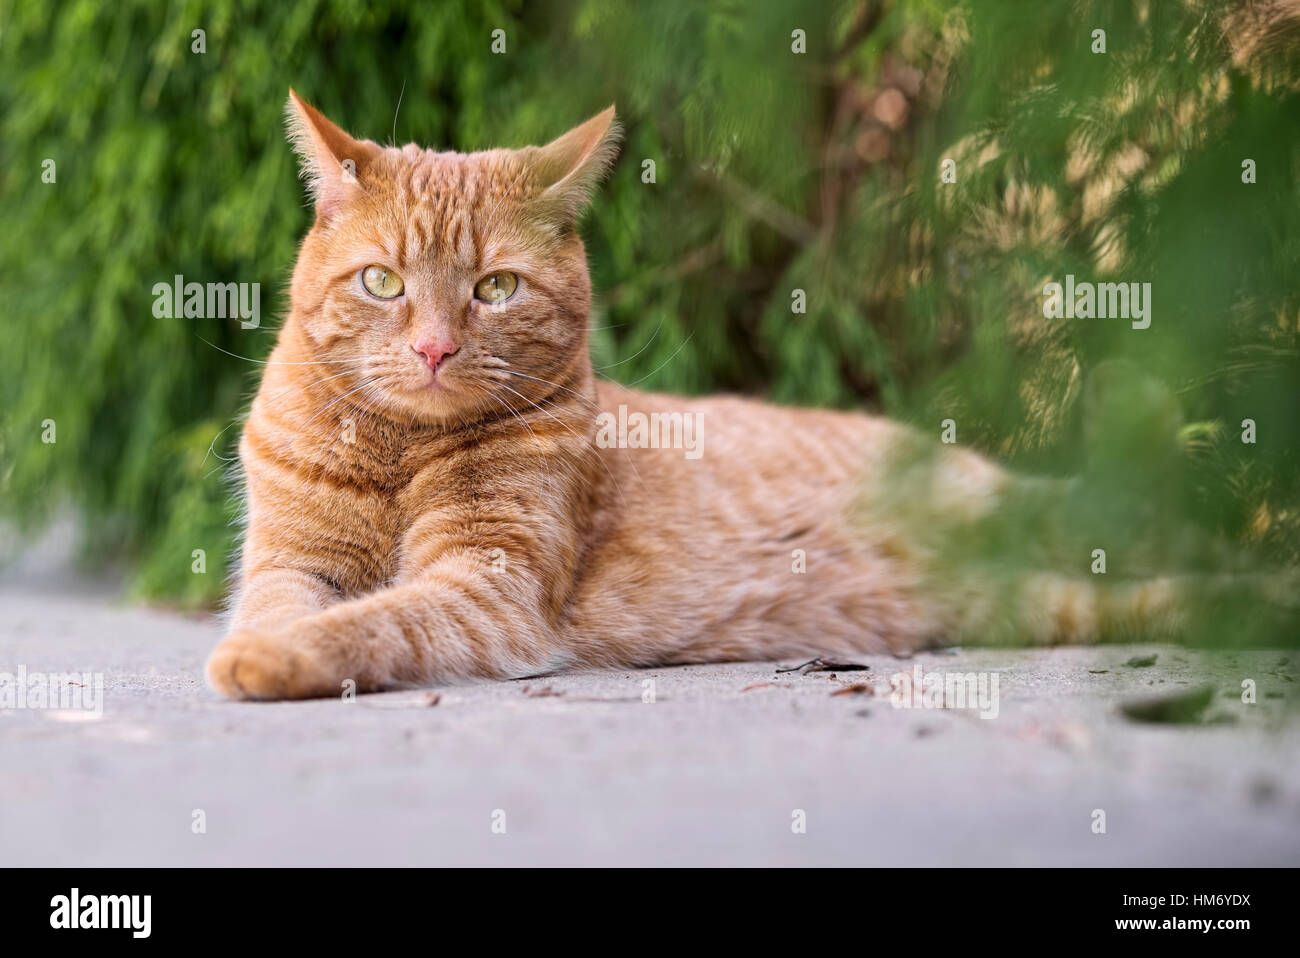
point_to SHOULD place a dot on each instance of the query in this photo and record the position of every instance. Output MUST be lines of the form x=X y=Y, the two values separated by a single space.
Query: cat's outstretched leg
x=451 y=623
x=270 y=600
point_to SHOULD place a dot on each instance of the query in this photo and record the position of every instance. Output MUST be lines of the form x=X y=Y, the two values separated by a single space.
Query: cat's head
x=442 y=287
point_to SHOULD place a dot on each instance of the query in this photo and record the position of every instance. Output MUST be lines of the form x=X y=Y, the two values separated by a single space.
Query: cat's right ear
x=332 y=161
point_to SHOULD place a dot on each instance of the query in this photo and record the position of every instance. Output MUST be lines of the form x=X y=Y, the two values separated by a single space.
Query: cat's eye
x=496 y=288
x=381 y=282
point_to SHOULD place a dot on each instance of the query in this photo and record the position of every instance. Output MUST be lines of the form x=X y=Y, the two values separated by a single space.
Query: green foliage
x=775 y=171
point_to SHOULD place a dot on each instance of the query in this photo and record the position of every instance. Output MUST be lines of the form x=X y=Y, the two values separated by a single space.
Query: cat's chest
x=428 y=496
x=424 y=491
x=399 y=466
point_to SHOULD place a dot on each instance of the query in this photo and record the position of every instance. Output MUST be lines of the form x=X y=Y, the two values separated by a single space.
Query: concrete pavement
x=721 y=768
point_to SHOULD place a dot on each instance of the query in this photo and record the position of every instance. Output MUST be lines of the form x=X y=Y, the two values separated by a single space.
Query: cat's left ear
x=571 y=167
x=332 y=161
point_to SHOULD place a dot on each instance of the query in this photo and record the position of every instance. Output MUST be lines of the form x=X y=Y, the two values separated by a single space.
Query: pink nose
x=434 y=351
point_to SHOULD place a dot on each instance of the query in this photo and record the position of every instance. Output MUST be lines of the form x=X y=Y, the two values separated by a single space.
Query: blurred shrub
x=775 y=171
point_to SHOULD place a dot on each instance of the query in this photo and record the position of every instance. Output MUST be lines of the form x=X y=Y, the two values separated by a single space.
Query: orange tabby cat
x=439 y=488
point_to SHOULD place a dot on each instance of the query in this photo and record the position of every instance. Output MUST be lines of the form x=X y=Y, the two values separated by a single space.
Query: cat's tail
x=1103 y=556
x=1227 y=610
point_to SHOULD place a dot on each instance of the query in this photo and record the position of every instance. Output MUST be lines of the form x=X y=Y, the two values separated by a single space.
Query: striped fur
x=403 y=533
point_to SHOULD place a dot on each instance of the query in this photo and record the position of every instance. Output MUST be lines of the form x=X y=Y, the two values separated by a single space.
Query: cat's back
x=747 y=479
x=734 y=445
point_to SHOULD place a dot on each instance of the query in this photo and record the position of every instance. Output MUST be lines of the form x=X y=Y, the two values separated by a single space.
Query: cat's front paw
x=252 y=664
